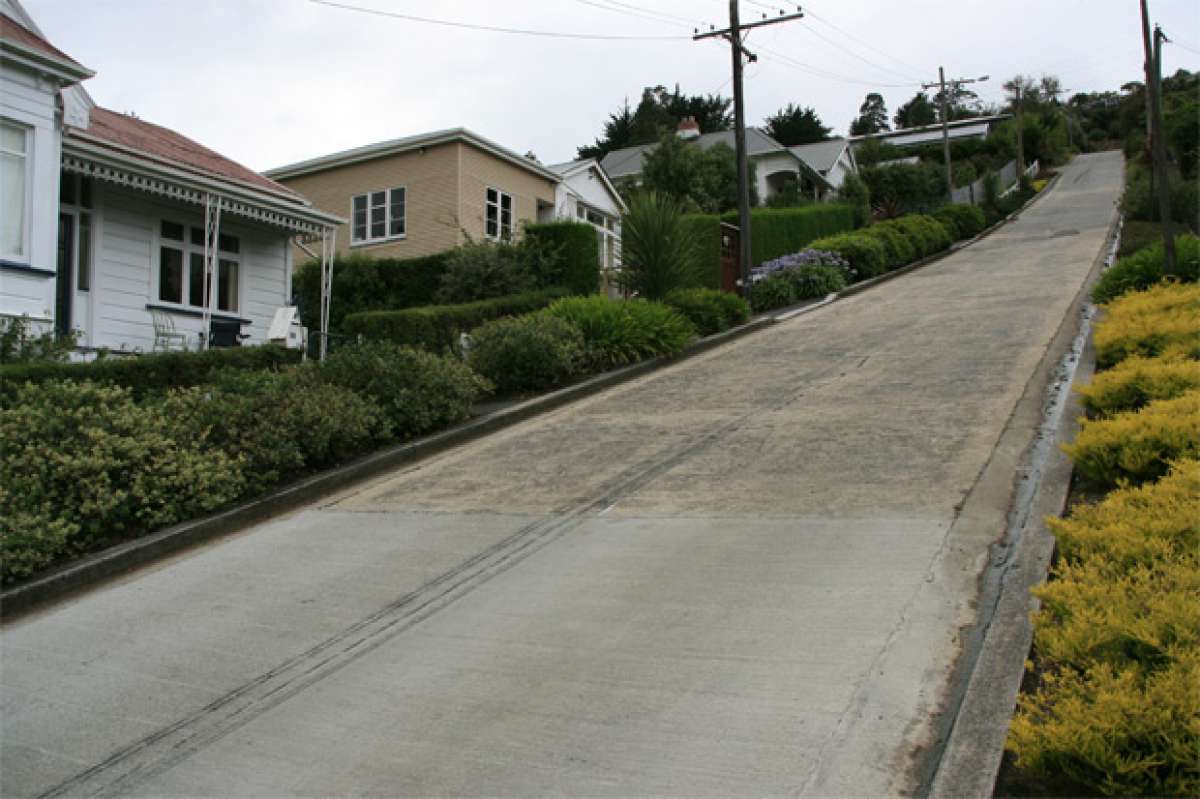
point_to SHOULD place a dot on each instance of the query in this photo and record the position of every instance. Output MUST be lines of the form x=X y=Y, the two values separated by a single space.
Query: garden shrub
x=417 y=391
x=1136 y=381
x=362 y=283
x=964 y=220
x=814 y=282
x=658 y=254
x=81 y=462
x=705 y=232
x=898 y=250
x=481 y=270
x=1136 y=525
x=572 y=255
x=927 y=235
x=798 y=260
x=1138 y=445
x=19 y=344
x=1149 y=323
x=620 y=332
x=153 y=373
x=1145 y=268
x=437 y=328
x=910 y=188
x=526 y=353
x=865 y=253
x=278 y=423
x=772 y=292
x=709 y=311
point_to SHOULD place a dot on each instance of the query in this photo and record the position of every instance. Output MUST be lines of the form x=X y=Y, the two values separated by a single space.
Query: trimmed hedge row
x=362 y=283
x=578 y=261
x=145 y=374
x=436 y=328
x=708 y=310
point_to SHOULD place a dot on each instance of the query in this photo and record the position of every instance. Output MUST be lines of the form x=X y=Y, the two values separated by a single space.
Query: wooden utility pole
x=1020 y=133
x=1158 y=144
x=945 y=113
x=733 y=34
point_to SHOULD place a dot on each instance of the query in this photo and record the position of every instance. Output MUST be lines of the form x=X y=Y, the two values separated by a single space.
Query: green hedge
x=1145 y=268
x=436 y=328
x=706 y=232
x=782 y=231
x=145 y=374
x=362 y=283
x=897 y=247
x=710 y=311
x=963 y=220
x=577 y=267
x=620 y=332
x=866 y=253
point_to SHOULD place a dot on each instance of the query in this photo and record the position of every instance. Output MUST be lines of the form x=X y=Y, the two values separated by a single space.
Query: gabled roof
x=147 y=140
x=395 y=146
x=628 y=160
x=569 y=169
x=25 y=46
x=821 y=155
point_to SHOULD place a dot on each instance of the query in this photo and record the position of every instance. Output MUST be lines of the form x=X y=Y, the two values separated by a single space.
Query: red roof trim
x=14 y=31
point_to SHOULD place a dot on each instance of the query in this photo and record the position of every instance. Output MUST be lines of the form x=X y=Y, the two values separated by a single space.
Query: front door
x=66 y=274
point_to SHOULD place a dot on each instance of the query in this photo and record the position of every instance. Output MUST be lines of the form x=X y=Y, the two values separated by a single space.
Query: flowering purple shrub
x=799 y=260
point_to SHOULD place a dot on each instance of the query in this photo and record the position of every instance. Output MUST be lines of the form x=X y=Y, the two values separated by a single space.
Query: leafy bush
x=657 y=253
x=19 y=344
x=1136 y=525
x=813 y=282
x=481 y=270
x=776 y=291
x=82 y=461
x=898 y=250
x=1139 y=203
x=278 y=423
x=963 y=220
x=572 y=257
x=1138 y=445
x=865 y=253
x=918 y=231
x=1149 y=323
x=909 y=188
x=1145 y=268
x=526 y=353
x=705 y=232
x=437 y=328
x=148 y=374
x=416 y=390
x=854 y=193
x=1137 y=381
x=619 y=332
x=798 y=260
x=362 y=283
x=709 y=311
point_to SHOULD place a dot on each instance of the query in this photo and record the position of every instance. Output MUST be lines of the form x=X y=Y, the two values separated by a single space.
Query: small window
x=14 y=182
x=170 y=275
x=66 y=188
x=196 y=280
x=198 y=236
x=227 y=281
x=497 y=215
x=378 y=216
x=172 y=230
x=84 y=268
x=227 y=243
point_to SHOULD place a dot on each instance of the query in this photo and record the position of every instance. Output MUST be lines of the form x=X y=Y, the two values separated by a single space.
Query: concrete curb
x=121 y=558
x=971 y=757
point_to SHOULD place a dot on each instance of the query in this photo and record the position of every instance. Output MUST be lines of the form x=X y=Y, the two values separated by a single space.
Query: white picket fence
x=973 y=192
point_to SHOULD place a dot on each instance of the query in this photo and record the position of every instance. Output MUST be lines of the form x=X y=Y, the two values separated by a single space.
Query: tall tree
x=961 y=102
x=703 y=179
x=658 y=111
x=796 y=125
x=618 y=133
x=872 y=116
x=916 y=112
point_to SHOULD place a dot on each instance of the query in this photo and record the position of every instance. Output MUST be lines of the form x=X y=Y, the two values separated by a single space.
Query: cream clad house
x=424 y=194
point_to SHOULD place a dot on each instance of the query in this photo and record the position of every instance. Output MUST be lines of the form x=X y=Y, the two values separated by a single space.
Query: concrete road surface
x=742 y=575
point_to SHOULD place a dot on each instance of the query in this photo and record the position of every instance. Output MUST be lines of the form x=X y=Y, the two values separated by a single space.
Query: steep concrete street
x=743 y=575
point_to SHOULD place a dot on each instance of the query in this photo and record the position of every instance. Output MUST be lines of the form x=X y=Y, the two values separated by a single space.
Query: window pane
x=491 y=195
x=196 y=281
x=229 y=243
x=66 y=188
x=506 y=202
x=227 y=286
x=396 y=213
x=492 y=227
x=84 y=271
x=198 y=236
x=360 y=203
x=170 y=275
x=170 y=230
x=12 y=199
x=397 y=197
x=378 y=199
x=12 y=138
x=85 y=192
x=378 y=222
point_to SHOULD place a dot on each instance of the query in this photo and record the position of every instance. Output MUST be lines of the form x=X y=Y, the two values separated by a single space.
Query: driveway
x=742 y=575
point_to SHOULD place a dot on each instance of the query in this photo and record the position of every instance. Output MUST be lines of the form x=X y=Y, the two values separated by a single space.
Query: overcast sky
x=270 y=82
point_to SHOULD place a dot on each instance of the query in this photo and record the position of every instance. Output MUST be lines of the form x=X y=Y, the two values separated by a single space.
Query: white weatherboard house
x=110 y=224
x=775 y=166
x=833 y=159
x=585 y=194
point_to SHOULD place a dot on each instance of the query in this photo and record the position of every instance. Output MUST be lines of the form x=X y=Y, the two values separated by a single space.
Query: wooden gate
x=730 y=249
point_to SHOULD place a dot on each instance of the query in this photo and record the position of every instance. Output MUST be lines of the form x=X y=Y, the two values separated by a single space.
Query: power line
x=494 y=28
x=656 y=12
x=866 y=44
x=631 y=11
x=849 y=52
x=822 y=73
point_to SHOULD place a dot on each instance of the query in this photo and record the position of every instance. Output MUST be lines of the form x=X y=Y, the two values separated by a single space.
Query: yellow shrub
x=1136 y=381
x=1138 y=445
x=1133 y=526
x=1117 y=729
x=1148 y=323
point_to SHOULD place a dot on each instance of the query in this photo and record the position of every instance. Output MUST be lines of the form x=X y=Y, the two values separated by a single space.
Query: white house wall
x=126 y=267
x=771 y=164
x=591 y=190
x=30 y=101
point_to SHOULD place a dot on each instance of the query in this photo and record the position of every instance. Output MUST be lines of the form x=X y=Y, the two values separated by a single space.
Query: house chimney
x=688 y=129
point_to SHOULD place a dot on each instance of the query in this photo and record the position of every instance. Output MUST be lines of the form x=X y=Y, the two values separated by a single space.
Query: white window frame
x=79 y=210
x=388 y=197
x=503 y=231
x=21 y=254
x=187 y=248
